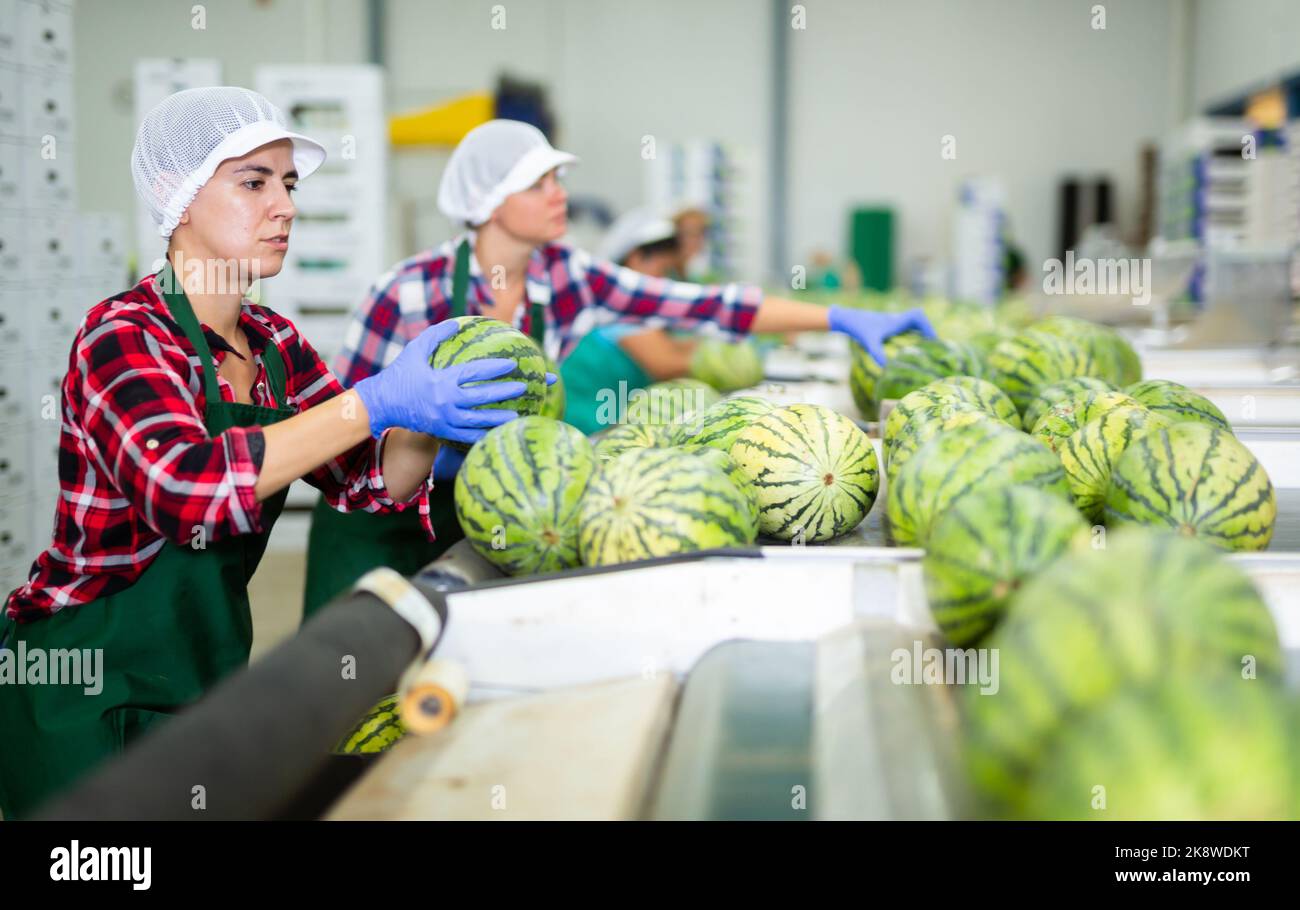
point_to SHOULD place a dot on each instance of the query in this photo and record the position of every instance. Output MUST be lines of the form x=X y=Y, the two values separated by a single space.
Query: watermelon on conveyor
x=656 y=502
x=1116 y=360
x=1058 y=392
x=924 y=425
x=517 y=494
x=923 y=362
x=727 y=465
x=960 y=461
x=1064 y=418
x=720 y=424
x=977 y=393
x=1198 y=480
x=1146 y=606
x=1089 y=454
x=985 y=547
x=1177 y=402
x=481 y=338
x=814 y=470
x=1030 y=361
x=864 y=373
x=1186 y=749
x=376 y=732
x=727 y=365
x=671 y=402
x=624 y=436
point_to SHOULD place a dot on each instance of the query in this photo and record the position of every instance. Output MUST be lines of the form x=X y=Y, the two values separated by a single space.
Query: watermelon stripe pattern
x=480 y=338
x=727 y=366
x=720 y=424
x=1058 y=392
x=924 y=426
x=923 y=362
x=1177 y=402
x=1146 y=605
x=954 y=464
x=626 y=436
x=985 y=547
x=518 y=493
x=1066 y=417
x=1023 y=365
x=376 y=732
x=1089 y=455
x=1187 y=749
x=815 y=472
x=1198 y=480
x=657 y=502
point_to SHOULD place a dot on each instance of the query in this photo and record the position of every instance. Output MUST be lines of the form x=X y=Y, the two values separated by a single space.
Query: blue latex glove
x=447 y=463
x=870 y=329
x=411 y=394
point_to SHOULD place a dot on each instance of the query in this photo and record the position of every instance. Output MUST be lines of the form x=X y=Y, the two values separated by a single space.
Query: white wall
x=109 y=36
x=1030 y=91
x=1242 y=44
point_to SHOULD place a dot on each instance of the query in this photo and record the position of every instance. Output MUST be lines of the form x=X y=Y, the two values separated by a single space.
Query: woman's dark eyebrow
x=265 y=171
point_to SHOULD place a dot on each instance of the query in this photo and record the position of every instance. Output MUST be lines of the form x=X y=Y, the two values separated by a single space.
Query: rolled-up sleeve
x=678 y=304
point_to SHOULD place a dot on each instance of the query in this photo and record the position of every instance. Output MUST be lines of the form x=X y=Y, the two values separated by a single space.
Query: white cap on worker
x=634 y=229
x=185 y=138
x=493 y=161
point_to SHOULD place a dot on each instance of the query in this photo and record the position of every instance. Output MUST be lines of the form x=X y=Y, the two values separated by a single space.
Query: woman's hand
x=411 y=394
x=870 y=329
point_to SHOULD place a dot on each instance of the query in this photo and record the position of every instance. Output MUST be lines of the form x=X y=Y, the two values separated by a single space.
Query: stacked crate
x=54 y=263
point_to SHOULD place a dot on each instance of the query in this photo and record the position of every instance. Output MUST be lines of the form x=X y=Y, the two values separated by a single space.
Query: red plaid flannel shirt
x=137 y=468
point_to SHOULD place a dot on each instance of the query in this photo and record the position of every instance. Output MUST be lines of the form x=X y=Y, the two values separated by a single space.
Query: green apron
x=597 y=365
x=165 y=640
x=343 y=546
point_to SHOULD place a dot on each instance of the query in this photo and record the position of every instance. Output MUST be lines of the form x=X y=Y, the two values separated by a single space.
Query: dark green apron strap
x=183 y=313
x=537 y=325
x=460 y=280
x=273 y=360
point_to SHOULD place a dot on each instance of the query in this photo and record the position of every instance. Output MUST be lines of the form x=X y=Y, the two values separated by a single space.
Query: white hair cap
x=634 y=229
x=185 y=138
x=493 y=161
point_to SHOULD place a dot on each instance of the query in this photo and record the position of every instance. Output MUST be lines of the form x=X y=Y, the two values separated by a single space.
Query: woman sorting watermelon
x=187 y=412
x=503 y=184
x=627 y=352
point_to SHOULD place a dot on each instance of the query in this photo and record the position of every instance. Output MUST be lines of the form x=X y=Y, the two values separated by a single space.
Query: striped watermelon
x=624 y=436
x=985 y=547
x=1178 y=402
x=1117 y=362
x=1198 y=480
x=1060 y=391
x=720 y=424
x=1147 y=605
x=1064 y=418
x=978 y=393
x=480 y=338
x=1185 y=749
x=954 y=463
x=1089 y=453
x=726 y=365
x=724 y=463
x=924 y=426
x=815 y=472
x=517 y=494
x=553 y=406
x=925 y=361
x=377 y=732
x=1028 y=362
x=656 y=502
x=864 y=372
x=670 y=402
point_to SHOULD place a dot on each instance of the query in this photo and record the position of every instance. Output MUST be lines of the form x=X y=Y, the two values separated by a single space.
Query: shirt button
x=151 y=444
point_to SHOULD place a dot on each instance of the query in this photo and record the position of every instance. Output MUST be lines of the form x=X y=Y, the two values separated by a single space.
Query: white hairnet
x=634 y=229
x=493 y=161
x=185 y=138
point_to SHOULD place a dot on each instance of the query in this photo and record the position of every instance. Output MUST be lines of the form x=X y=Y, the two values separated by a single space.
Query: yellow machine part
x=444 y=124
